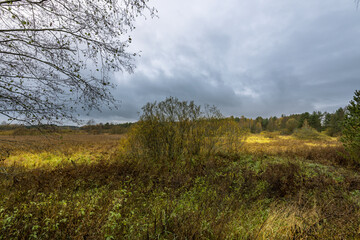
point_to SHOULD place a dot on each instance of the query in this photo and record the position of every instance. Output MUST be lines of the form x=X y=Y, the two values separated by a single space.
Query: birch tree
x=58 y=54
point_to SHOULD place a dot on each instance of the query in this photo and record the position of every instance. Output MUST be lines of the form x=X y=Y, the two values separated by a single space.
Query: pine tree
x=351 y=131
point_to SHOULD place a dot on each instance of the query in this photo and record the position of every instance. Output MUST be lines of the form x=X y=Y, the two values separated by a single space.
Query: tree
x=271 y=124
x=333 y=122
x=58 y=54
x=315 y=120
x=351 y=128
x=258 y=127
x=291 y=125
x=304 y=116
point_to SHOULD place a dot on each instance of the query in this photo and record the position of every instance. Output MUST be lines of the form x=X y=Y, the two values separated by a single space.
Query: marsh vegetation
x=178 y=177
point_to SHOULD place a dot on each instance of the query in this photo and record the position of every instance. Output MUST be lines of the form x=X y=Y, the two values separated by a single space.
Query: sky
x=247 y=57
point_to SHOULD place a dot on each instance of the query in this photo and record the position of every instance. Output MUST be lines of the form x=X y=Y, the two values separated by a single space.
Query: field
x=87 y=187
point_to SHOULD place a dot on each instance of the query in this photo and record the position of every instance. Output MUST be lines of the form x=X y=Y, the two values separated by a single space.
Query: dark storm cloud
x=252 y=58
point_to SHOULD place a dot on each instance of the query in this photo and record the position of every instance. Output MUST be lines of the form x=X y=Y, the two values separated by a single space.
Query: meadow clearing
x=82 y=186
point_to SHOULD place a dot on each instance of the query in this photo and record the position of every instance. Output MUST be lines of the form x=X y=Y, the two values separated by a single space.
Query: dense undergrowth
x=274 y=188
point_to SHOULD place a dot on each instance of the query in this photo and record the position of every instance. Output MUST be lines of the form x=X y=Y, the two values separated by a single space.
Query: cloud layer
x=251 y=58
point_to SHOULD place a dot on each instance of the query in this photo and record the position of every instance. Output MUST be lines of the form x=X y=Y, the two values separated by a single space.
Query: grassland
x=88 y=187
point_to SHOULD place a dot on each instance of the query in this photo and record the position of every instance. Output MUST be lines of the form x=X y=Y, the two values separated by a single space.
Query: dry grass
x=86 y=187
x=53 y=150
x=327 y=150
x=56 y=142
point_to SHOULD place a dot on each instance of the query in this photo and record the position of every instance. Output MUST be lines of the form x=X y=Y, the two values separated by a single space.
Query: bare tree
x=58 y=54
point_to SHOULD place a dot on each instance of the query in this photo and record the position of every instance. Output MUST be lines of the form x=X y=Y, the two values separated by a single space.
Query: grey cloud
x=247 y=57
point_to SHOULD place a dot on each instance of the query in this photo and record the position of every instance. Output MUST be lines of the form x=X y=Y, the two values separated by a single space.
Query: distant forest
x=328 y=123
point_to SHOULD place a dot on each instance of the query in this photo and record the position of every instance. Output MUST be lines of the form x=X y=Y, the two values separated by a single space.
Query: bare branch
x=57 y=55
x=9 y=2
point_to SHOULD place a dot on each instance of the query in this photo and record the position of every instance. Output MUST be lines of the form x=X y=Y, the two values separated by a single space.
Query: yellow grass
x=53 y=151
x=275 y=144
x=257 y=138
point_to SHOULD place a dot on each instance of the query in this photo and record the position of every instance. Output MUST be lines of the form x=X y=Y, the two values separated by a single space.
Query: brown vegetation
x=280 y=189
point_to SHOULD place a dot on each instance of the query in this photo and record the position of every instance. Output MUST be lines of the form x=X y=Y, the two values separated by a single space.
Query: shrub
x=283 y=178
x=172 y=130
x=306 y=132
x=230 y=136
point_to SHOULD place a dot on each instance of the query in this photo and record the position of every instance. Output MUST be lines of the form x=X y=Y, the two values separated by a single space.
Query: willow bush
x=173 y=130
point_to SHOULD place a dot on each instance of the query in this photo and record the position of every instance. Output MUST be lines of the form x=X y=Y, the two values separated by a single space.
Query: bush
x=230 y=136
x=172 y=130
x=283 y=178
x=307 y=132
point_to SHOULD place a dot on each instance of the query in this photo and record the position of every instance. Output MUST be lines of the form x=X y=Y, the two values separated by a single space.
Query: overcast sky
x=247 y=57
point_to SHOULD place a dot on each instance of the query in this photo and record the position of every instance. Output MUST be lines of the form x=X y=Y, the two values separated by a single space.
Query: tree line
x=93 y=128
x=330 y=123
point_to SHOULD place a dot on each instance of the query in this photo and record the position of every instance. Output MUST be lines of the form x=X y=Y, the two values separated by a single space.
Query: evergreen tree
x=333 y=122
x=315 y=120
x=351 y=131
x=304 y=116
